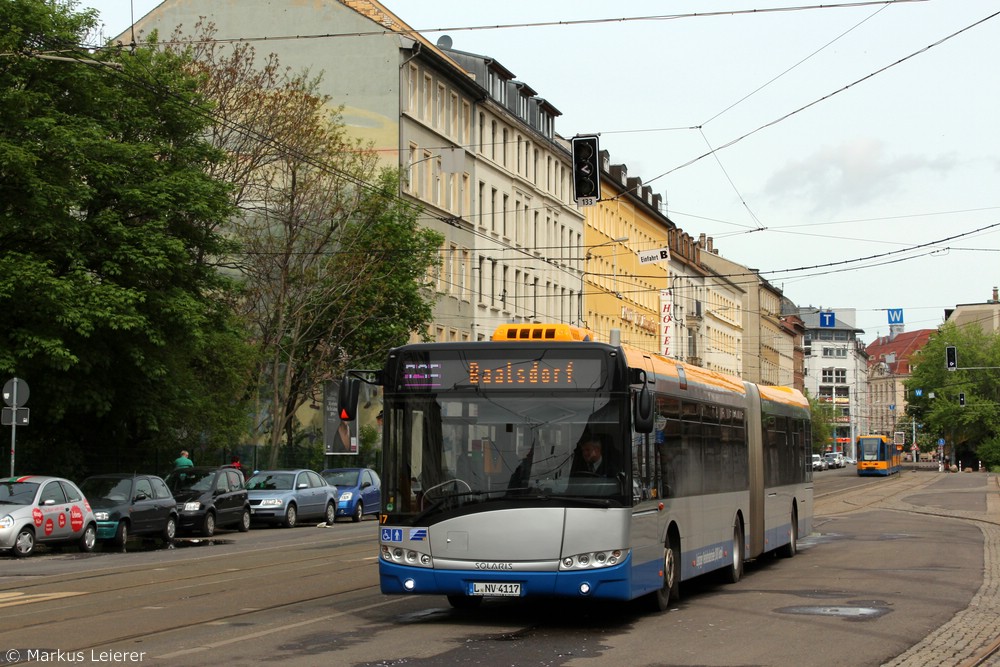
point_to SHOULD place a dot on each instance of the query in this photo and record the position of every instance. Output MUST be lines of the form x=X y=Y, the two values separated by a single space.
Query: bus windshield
x=461 y=448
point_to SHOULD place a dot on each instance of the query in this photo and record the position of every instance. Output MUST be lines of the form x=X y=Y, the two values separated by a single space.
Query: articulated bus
x=484 y=494
x=877 y=455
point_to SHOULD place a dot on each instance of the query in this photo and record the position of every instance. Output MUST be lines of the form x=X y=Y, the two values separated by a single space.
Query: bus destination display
x=452 y=372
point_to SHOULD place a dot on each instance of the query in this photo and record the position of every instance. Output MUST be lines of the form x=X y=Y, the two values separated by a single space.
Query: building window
x=466 y=129
x=427 y=106
x=482 y=133
x=506 y=203
x=440 y=119
x=411 y=176
x=414 y=86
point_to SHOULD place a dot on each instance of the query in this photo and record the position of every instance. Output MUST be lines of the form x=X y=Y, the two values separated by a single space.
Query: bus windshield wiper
x=480 y=495
x=528 y=494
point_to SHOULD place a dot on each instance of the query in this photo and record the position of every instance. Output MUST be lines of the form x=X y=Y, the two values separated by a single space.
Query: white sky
x=872 y=129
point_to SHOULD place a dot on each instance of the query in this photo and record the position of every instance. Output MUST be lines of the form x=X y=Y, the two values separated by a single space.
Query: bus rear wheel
x=790 y=549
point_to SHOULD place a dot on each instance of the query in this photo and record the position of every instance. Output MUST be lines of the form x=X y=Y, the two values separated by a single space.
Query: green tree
x=106 y=207
x=939 y=409
x=822 y=415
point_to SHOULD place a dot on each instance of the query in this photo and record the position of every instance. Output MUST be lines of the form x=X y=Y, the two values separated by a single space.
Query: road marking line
x=16 y=598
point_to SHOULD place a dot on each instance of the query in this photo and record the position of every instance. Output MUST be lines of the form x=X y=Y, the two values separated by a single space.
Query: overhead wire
x=521 y=250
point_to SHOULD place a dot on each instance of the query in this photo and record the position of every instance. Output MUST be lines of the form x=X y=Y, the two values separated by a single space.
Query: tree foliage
x=107 y=210
x=821 y=418
x=938 y=408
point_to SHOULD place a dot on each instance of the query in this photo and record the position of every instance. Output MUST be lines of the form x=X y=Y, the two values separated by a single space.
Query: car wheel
x=245 y=520
x=89 y=538
x=24 y=543
x=121 y=535
x=359 y=512
x=291 y=517
x=331 y=514
x=208 y=525
x=170 y=530
x=790 y=549
x=734 y=571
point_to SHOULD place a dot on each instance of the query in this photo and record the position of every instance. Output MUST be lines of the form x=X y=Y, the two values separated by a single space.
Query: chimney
x=996 y=296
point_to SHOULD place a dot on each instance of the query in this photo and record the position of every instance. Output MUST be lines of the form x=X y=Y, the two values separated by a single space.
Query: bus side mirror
x=642 y=409
x=347 y=398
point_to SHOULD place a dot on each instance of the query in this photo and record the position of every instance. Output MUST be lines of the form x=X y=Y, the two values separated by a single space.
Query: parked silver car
x=44 y=510
x=286 y=496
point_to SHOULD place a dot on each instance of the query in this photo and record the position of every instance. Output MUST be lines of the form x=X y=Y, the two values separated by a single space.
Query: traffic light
x=586 y=170
x=951 y=358
x=961 y=399
x=348 y=395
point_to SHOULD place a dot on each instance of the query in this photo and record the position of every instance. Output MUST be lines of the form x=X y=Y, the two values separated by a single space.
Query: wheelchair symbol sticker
x=392 y=534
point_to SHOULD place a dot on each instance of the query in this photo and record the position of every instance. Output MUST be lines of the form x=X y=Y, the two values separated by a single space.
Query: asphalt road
x=889 y=568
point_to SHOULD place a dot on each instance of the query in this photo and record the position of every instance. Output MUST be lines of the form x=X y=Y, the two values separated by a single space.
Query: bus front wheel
x=670 y=591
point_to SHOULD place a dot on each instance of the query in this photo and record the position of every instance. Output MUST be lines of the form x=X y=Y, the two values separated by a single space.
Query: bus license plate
x=495 y=589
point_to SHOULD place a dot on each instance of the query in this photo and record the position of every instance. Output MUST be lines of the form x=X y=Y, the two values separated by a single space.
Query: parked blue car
x=360 y=491
x=288 y=496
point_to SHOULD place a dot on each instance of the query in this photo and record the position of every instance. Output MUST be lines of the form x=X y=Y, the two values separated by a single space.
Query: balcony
x=692 y=316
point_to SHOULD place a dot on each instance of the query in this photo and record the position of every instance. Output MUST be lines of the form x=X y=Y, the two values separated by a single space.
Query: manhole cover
x=842 y=611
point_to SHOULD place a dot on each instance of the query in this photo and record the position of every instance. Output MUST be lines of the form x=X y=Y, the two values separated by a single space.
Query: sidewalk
x=975 y=631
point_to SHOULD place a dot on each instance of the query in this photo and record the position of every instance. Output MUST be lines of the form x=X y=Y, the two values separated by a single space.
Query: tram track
x=859 y=497
x=324 y=569
x=975 y=623
x=37 y=581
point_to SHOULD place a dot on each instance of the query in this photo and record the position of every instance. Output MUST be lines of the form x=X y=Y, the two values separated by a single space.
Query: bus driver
x=591 y=459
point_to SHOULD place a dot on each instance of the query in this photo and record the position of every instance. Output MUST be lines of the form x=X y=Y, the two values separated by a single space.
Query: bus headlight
x=593 y=560
x=409 y=556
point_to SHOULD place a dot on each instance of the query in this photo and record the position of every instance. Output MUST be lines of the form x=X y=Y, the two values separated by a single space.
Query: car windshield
x=181 y=481
x=342 y=477
x=18 y=493
x=107 y=488
x=271 y=481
